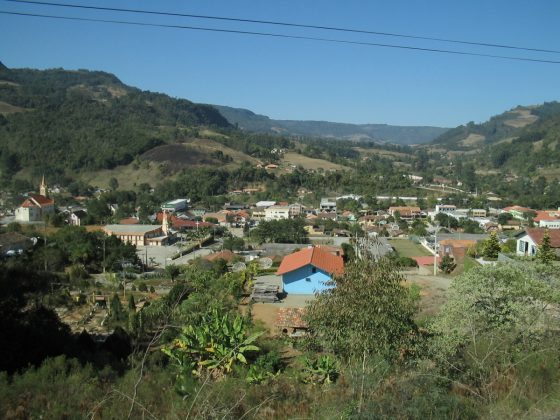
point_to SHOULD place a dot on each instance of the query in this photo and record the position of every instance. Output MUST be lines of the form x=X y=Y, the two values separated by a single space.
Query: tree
x=172 y=271
x=496 y=317
x=447 y=264
x=117 y=312
x=131 y=304
x=491 y=247
x=367 y=311
x=545 y=253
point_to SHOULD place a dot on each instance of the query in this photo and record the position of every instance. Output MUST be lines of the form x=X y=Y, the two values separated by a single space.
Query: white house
x=528 y=242
x=277 y=213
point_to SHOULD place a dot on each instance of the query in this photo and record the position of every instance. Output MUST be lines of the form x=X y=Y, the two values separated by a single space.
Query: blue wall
x=304 y=282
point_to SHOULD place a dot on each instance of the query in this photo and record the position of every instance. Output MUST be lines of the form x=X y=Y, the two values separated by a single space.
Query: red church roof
x=317 y=257
x=37 y=200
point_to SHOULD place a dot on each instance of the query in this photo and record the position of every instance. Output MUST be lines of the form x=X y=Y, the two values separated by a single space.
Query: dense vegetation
x=76 y=121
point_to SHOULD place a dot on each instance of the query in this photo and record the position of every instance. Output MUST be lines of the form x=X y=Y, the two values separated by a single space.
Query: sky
x=304 y=79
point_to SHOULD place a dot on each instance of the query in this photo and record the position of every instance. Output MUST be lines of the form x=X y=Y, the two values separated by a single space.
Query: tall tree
x=545 y=253
x=367 y=312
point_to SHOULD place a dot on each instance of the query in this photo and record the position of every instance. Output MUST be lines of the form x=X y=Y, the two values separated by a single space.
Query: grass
x=127 y=175
x=407 y=248
x=292 y=158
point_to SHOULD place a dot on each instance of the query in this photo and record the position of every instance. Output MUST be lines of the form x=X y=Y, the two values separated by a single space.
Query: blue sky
x=307 y=80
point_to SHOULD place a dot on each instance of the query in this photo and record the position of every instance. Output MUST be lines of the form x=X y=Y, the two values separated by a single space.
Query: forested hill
x=59 y=122
x=505 y=127
x=405 y=135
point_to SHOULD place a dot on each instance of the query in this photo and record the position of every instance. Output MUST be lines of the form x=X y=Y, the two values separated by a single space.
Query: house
x=12 y=243
x=478 y=212
x=528 y=242
x=406 y=213
x=271 y=166
x=445 y=208
x=75 y=217
x=518 y=212
x=175 y=206
x=314 y=230
x=307 y=271
x=455 y=248
x=234 y=206
x=548 y=219
x=178 y=223
x=225 y=255
x=265 y=203
x=327 y=205
x=277 y=213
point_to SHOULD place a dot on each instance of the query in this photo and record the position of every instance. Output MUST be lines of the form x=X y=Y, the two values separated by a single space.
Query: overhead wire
x=280 y=23
x=277 y=35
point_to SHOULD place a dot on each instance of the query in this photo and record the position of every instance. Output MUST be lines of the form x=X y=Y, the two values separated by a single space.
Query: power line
x=288 y=24
x=276 y=35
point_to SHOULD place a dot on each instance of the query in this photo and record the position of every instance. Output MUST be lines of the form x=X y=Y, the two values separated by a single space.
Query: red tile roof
x=129 y=221
x=226 y=255
x=291 y=317
x=41 y=199
x=37 y=200
x=317 y=257
x=178 y=223
x=546 y=215
x=538 y=234
x=427 y=260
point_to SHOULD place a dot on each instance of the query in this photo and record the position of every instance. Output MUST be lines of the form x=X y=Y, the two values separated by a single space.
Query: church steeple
x=43 y=190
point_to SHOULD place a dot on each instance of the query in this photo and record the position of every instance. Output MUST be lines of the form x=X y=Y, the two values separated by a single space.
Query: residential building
x=548 y=219
x=308 y=271
x=529 y=241
x=180 y=204
x=277 y=213
x=76 y=216
x=445 y=208
x=265 y=203
x=478 y=212
x=518 y=212
x=405 y=213
x=455 y=248
x=327 y=205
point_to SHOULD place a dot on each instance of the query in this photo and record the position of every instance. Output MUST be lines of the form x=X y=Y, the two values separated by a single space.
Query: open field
x=549 y=173
x=380 y=152
x=292 y=158
x=6 y=108
x=473 y=140
x=209 y=146
x=523 y=118
x=407 y=248
x=127 y=175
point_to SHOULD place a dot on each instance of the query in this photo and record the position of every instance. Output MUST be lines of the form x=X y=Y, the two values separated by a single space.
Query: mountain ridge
x=382 y=133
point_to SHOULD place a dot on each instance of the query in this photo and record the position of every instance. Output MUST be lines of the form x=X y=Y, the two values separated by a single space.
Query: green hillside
x=74 y=121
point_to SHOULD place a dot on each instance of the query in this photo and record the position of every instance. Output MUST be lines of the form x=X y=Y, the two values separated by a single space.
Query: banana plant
x=322 y=370
x=214 y=345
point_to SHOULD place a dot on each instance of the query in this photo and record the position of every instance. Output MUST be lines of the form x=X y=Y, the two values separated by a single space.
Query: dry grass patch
x=473 y=140
x=292 y=158
x=522 y=119
x=6 y=108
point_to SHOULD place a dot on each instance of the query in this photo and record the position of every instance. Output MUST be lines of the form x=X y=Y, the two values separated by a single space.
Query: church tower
x=43 y=187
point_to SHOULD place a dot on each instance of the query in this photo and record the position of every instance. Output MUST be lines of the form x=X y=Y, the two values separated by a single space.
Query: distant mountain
x=383 y=133
x=524 y=141
x=63 y=122
x=507 y=125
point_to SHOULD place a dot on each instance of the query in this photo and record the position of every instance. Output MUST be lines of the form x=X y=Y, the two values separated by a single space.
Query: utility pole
x=437 y=227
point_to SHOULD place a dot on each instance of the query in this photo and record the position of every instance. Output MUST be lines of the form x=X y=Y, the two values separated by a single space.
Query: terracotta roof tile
x=317 y=257
x=538 y=234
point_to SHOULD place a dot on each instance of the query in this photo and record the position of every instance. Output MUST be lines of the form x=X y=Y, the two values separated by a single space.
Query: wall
x=304 y=282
